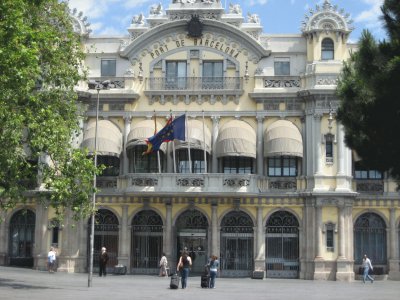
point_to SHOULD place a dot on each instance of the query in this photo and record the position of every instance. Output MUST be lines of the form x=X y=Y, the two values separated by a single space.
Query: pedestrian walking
x=366 y=267
x=183 y=266
x=51 y=260
x=213 y=267
x=163 y=265
x=103 y=259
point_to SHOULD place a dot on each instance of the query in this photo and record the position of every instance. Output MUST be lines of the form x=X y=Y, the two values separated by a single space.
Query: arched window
x=327 y=52
x=370 y=238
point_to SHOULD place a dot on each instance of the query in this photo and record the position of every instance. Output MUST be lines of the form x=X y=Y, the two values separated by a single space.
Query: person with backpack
x=183 y=266
x=213 y=266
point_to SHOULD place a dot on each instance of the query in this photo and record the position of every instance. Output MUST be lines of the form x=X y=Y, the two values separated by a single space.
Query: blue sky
x=113 y=17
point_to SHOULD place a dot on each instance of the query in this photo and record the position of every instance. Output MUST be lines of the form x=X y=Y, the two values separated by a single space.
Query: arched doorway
x=147 y=242
x=370 y=239
x=237 y=240
x=192 y=228
x=105 y=235
x=22 y=238
x=282 y=245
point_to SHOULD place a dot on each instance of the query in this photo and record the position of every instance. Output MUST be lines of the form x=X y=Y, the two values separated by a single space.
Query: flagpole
x=204 y=143
x=173 y=146
x=158 y=152
x=188 y=141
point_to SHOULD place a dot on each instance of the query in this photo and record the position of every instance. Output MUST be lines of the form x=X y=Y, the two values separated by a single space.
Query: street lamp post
x=97 y=86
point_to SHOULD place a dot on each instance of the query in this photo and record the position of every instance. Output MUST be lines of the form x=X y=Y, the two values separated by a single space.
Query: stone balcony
x=228 y=184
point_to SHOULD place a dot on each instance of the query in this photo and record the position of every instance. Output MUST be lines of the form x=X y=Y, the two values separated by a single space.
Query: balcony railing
x=194 y=83
x=205 y=183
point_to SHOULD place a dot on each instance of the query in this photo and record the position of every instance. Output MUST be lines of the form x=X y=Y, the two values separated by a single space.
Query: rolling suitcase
x=205 y=281
x=174 y=284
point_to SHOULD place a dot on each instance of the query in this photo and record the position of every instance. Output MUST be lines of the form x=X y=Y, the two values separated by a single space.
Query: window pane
x=139 y=163
x=108 y=67
x=282 y=68
x=327 y=49
x=329 y=149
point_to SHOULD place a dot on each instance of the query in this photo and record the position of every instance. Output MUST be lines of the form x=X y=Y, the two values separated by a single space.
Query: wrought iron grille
x=282 y=245
x=237 y=240
x=147 y=241
x=192 y=219
x=22 y=238
x=105 y=235
x=370 y=238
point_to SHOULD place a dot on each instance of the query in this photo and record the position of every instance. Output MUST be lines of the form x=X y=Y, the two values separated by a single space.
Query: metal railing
x=195 y=83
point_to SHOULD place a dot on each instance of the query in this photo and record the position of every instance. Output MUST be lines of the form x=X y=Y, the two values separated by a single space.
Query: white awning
x=142 y=131
x=236 y=138
x=109 y=138
x=196 y=137
x=283 y=138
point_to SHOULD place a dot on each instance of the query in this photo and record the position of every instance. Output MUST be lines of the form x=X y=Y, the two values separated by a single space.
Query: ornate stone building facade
x=264 y=179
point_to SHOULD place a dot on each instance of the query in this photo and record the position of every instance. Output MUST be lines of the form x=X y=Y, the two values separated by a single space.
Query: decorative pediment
x=327 y=18
x=79 y=23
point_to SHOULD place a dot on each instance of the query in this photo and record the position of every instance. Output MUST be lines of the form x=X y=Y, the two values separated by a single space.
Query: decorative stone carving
x=144 y=181
x=235 y=9
x=199 y=182
x=156 y=9
x=138 y=19
x=253 y=18
x=279 y=83
x=236 y=182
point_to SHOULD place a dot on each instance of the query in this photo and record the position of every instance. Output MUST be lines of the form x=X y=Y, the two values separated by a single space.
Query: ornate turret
x=80 y=24
x=327 y=19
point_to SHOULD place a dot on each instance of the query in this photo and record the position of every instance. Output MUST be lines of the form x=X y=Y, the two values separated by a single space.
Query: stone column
x=260 y=154
x=317 y=139
x=42 y=245
x=168 y=243
x=125 y=160
x=341 y=238
x=125 y=241
x=304 y=136
x=394 y=260
x=344 y=266
x=320 y=272
x=342 y=178
x=214 y=229
x=83 y=241
x=259 y=262
x=3 y=238
x=318 y=232
x=214 y=161
x=307 y=240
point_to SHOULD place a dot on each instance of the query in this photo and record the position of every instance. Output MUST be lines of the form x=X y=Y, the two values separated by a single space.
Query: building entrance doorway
x=192 y=232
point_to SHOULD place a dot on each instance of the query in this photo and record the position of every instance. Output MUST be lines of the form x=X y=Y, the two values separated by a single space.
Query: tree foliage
x=369 y=89
x=40 y=64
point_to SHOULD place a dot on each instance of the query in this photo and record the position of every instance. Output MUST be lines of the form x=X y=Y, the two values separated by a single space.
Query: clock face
x=195 y=27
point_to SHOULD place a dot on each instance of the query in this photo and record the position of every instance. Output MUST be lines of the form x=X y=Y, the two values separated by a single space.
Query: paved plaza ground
x=19 y=283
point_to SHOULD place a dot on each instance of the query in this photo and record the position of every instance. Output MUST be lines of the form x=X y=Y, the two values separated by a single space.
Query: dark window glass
x=108 y=67
x=197 y=160
x=329 y=149
x=282 y=68
x=111 y=164
x=237 y=165
x=176 y=74
x=282 y=166
x=212 y=74
x=362 y=172
x=327 y=49
x=139 y=163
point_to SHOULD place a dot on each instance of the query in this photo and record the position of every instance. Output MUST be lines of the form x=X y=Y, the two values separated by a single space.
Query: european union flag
x=174 y=129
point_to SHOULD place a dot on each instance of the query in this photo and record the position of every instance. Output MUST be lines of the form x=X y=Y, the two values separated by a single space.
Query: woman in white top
x=163 y=265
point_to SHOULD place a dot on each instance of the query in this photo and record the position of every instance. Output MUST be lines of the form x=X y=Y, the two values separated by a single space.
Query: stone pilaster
x=394 y=260
x=260 y=154
x=215 y=128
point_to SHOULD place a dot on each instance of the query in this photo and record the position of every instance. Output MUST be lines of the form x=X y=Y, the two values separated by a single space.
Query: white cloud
x=110 y=31
x=370 y=17
x=257 y=2
x=136 y=3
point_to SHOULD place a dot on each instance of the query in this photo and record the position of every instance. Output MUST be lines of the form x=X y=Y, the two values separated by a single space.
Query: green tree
x=40 y=64
x=369 y=89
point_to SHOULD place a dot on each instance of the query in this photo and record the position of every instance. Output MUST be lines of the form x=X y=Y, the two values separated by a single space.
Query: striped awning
x=109 y=138
x=236 y=138
x=141 y=131
x=196 y=136
x=283 y=138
